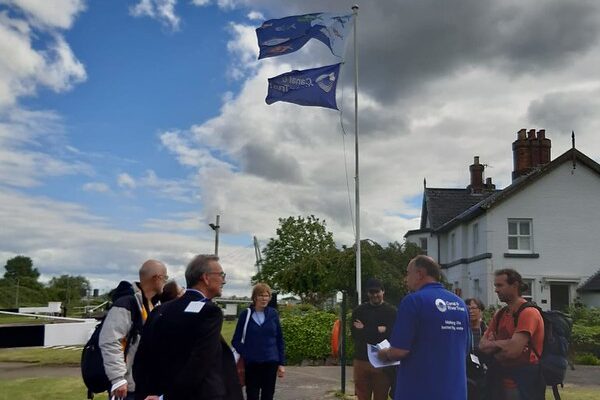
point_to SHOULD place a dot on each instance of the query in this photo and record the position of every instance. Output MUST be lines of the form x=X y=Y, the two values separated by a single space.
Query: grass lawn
x=49 y=356
x=16 y=319
x=73 y=389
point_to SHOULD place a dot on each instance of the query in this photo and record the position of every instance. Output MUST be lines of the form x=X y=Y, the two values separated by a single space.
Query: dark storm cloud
x=404 y=44
x=266 y=162
x=563 y=112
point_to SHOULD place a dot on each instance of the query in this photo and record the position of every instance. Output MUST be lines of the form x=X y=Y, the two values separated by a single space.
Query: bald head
x=152 y=268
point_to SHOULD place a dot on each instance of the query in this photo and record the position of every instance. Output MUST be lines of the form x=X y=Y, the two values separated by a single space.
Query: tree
x=20 y=267
x=68 y=288
x=301 y=259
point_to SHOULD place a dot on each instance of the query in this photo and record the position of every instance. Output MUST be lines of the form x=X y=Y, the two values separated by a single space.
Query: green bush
x=587 y=359
x=307 y=334
x=589 y=316
x=586 y=339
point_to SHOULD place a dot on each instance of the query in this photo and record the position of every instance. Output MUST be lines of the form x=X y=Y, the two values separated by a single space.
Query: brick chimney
x=530 y=151
x=476 y=170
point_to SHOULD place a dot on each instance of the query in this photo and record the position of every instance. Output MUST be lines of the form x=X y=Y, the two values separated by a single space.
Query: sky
x=126 y=126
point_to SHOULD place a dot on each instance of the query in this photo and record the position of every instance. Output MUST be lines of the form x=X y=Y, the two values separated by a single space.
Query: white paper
x=194 y=306
x=475 y=359
x=372 y=351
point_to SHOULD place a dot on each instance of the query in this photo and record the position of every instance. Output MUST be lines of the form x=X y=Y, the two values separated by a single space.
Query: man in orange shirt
x=514 y=336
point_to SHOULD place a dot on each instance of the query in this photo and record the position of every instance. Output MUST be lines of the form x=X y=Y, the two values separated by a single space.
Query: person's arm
x=280 y=347
x=117 y=325
x=487 y=343
x=392 y=354
x=512 y=348
x=236 y=340
x=358 y=327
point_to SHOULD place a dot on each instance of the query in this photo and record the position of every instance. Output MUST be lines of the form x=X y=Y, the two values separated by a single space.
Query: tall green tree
x=300 y=260
x=20 y=267
x=68 y=288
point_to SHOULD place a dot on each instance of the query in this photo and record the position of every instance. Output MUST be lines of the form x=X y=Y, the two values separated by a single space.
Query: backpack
x=557 y=335
x=92 y=364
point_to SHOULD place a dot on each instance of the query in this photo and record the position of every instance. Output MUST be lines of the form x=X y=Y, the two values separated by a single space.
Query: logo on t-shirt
x=441 y=305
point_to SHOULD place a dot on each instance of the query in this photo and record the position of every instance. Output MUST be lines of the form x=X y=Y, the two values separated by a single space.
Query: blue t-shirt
x=433 y=325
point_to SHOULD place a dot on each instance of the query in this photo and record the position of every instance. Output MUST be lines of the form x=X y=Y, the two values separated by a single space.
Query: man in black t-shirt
x=372 y=322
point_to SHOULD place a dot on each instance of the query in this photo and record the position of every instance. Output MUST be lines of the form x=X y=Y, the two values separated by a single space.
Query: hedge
x=307 y=335
x=586 y=339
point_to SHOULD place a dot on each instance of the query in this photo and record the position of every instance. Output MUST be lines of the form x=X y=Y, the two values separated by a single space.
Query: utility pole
x=215 y=227
x=257 y=254
x=17 y=295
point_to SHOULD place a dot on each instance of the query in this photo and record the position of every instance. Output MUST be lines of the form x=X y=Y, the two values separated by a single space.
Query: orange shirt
x=531 y=322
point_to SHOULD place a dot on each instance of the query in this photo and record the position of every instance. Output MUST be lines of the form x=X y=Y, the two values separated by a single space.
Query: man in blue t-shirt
x=430 y=336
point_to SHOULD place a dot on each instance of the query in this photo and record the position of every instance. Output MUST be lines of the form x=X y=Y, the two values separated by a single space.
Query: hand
x=383 y=354
x=120 y=392
x=152 y=397
x=281 y=371
x=358 y=324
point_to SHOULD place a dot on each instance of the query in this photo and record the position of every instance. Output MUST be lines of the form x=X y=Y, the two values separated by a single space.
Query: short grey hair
x=199 y=266
x=428 y=264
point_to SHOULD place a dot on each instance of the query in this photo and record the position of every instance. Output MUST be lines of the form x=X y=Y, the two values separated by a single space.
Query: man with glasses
x=372 y=322
x=182 y=354
x=120 y=334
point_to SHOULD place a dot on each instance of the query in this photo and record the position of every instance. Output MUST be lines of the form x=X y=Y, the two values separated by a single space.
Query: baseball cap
x=374 y=283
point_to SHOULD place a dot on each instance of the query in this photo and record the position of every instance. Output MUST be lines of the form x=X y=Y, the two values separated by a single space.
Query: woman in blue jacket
x=259 y=341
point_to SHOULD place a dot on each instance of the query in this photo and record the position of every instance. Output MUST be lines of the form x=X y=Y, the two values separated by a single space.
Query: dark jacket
x=183 y=356
x=372 y=317
x=264 y=343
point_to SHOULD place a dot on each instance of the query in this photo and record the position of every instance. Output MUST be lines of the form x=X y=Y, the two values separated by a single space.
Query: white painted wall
x=68 y=334
x=563 y=206
x=591 y=299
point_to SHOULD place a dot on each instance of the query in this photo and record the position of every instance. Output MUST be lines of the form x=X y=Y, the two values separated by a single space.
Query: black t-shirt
x=372 y=317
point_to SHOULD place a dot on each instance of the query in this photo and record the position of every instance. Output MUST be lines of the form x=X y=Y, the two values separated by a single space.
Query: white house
x=546 y=225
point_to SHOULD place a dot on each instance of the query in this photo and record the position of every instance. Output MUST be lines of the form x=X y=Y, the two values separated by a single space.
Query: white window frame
x=519 y=236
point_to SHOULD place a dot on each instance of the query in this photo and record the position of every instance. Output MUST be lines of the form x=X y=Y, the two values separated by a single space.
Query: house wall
x=591 y=299
x=431 y=242
x=563 y=207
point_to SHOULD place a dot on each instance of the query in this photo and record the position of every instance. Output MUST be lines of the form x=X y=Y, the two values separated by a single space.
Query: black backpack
x=92 y=364
x=557 y=335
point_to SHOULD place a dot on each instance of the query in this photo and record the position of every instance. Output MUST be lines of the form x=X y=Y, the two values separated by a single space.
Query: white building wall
x=563 y=207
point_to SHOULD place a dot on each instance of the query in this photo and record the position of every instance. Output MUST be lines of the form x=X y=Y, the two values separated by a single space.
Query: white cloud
x=243 y=49
x=51 y=14
x=161 y=10
x=201 y=3
x=64 y=238
x=125 y=181
x=99 y=187
x=255 y=15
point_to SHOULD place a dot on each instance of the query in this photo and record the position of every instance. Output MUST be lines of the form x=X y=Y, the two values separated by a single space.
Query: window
x=527 y=293
x=475 y=239
x=452 y=247
x=423 y=244
x=520 y=238
x=476 y=288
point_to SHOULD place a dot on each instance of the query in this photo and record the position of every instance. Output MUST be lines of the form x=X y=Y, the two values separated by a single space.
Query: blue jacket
x=264 y=343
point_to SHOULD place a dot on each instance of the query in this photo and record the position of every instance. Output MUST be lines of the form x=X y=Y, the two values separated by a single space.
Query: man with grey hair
x=182 y=355
x=120 y=334
x=430 y=336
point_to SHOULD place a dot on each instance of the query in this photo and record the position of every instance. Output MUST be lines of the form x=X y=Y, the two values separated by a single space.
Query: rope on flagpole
x=346 y=163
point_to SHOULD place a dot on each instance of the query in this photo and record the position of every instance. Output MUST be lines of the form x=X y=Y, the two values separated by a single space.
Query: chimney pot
x=531 y=134
x=476 y=160
x=476 y=170
x=541 y=134
x=521 y=134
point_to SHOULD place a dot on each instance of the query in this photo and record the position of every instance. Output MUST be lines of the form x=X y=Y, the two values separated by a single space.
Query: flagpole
x=357 y=195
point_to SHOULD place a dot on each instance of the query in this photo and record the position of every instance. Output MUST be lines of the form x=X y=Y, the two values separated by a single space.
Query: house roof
x=442 y=205
x=518 y=184
x=592 y=284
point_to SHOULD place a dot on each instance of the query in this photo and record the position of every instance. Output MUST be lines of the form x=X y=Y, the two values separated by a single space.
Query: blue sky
x=127 y=126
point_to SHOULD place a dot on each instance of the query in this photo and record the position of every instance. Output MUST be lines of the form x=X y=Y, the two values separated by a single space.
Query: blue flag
x=286 y=35
x=310 y=87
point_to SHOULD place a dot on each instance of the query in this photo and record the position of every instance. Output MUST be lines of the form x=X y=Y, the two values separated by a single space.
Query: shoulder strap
x=248 y=312
x=523 y=306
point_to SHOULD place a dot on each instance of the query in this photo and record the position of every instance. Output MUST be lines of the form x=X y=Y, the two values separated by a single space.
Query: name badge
x=194 y=306
x=475 y=359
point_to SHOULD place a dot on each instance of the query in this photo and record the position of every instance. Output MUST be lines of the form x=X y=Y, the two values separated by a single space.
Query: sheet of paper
x=372 y=353
x=194 y=306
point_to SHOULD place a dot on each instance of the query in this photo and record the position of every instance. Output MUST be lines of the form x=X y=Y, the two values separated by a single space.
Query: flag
x=310 y=87
x=286 y=35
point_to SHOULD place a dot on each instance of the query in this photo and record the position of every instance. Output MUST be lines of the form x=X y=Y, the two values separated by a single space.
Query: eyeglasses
x=223 y=274
x=163 y=277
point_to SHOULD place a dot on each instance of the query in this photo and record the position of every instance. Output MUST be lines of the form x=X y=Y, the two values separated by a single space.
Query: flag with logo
x=277 y=37
x=310 y=87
